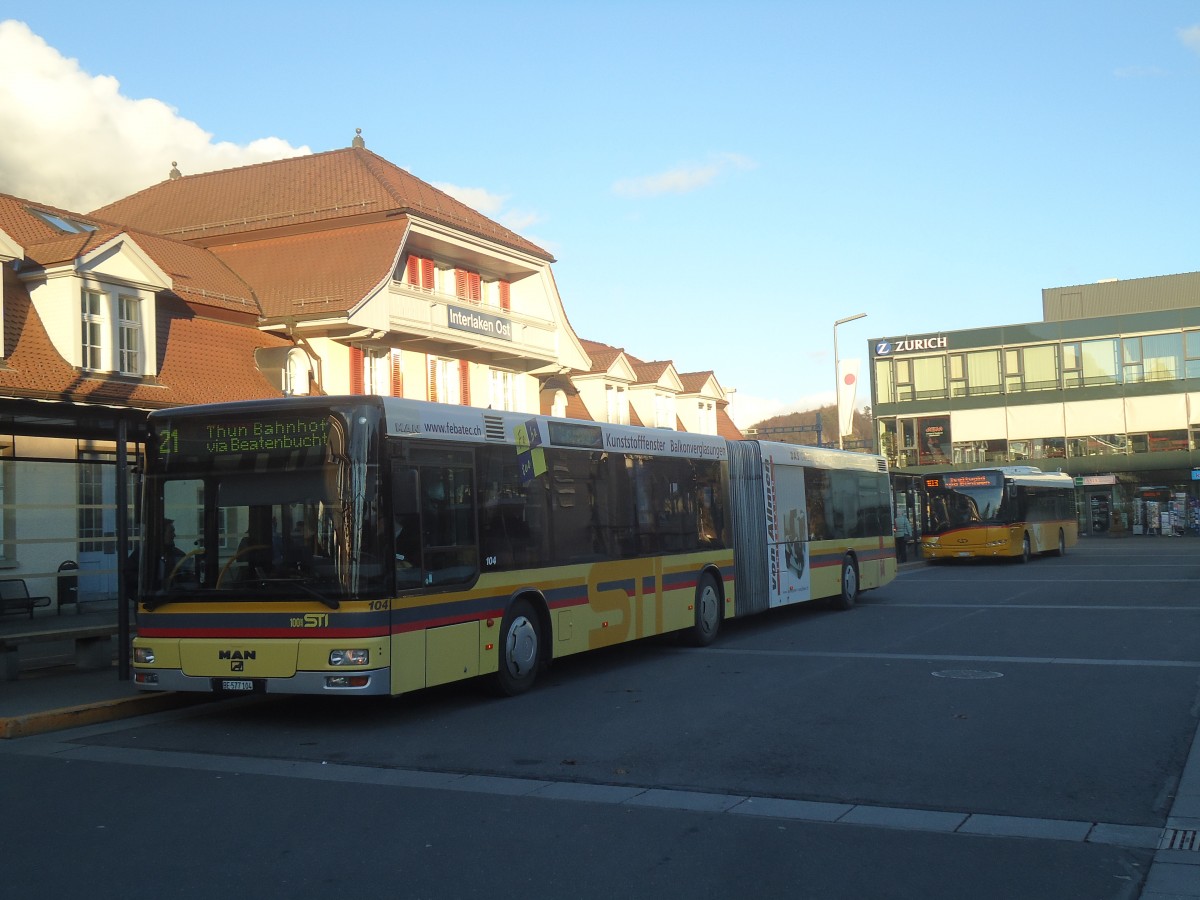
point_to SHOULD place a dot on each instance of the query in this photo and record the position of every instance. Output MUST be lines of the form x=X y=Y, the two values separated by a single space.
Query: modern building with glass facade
x=1105 y=388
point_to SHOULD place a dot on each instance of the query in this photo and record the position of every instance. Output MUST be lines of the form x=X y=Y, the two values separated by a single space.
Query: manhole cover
x=967 y=674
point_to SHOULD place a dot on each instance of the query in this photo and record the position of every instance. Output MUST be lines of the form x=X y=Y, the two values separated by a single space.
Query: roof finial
x=175 y=173
x=358 y=139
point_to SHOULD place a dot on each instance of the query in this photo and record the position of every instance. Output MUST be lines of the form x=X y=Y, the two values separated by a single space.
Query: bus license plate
x=230 y=684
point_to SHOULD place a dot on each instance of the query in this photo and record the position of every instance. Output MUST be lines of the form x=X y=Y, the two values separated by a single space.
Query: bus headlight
x=349 y=657
x=143 y=655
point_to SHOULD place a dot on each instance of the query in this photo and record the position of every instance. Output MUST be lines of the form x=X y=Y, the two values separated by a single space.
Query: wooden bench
x=14 y=597
x=93 y=647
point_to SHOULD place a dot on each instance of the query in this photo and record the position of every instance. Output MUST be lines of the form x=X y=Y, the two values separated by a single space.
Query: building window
x=1040 y=367
x=664 y=411
x=503 y=390
x=1098 y=445
x=446 y=381
x=1072 y=365
x=616 y=404
x=885 y=391
x=706 y=417
x=1191 y=340
x=129 y=335
x=93 y=330
x=929 y=377
x=419 y=273
x=904 y=380
x=1100 y=362
x=467 y=285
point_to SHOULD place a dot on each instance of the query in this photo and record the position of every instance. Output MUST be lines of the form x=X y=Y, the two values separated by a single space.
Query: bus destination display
x=965 y=480
x=271 y=434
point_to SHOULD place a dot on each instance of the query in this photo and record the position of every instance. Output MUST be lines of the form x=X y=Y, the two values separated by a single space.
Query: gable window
x=113 y=332
x=664 y=411
x=129 y=335
x=706 y=417
x=616 y=404
x=93 y=330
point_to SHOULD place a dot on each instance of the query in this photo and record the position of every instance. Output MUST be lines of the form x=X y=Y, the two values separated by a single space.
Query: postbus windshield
x=282 y=504
x=964 y=499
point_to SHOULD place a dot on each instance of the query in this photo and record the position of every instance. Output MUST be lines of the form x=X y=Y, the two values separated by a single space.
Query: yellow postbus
x=375 y=545
x=1010 y=511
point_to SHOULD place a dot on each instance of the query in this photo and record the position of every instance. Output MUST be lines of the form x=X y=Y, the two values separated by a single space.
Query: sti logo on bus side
x=907 y=345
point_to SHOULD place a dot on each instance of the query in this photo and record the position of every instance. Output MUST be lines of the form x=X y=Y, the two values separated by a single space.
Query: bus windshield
x=965 y=499
x=283 y=505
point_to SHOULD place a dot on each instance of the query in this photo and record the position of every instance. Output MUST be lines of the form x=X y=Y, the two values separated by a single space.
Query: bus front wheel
x=849 y=591
x=708 y=613
x=1062 y=544
x=520 y=650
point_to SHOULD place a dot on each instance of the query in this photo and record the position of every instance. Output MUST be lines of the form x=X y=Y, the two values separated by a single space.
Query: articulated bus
x=1012 y=511
x=372 y=545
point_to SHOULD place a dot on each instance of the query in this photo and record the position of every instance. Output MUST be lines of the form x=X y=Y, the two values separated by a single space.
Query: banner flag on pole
x=847 y=390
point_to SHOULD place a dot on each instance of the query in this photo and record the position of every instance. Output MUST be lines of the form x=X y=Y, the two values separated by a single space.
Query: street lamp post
x=837 y=376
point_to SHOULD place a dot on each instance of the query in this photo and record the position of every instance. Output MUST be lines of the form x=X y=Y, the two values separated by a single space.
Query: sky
x=718 y=184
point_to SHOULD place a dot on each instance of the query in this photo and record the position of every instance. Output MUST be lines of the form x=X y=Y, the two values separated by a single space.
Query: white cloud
x=491 y=205
x=682 y=179
x=1191 y=37
x=72 y=140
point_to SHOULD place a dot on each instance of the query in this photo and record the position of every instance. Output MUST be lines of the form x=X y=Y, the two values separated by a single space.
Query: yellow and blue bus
x=375 y=545
x=1009 y=511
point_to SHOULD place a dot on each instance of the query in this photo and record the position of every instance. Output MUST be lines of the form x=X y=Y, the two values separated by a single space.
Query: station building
x=1105 y=388
x=330 y=273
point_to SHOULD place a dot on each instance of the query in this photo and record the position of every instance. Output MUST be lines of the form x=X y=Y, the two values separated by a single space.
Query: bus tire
x=708 y=613
x=849 y=584
x=1026 y=549
x=520 y=650
x=1062 y=544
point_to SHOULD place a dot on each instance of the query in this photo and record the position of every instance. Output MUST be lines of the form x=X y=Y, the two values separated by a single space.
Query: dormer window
x=62 y=223
x=112 y=332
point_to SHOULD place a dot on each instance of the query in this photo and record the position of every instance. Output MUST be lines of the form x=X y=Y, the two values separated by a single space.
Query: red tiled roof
x=202 y=360
x=601 y=355
x=693 y=382
x=299 y=191
x=725 y=426
x=316 y=273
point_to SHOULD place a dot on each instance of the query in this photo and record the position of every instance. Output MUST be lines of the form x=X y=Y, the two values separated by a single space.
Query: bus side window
x=406 y=526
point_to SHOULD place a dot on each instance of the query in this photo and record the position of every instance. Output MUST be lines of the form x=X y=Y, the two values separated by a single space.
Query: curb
x=90 y=714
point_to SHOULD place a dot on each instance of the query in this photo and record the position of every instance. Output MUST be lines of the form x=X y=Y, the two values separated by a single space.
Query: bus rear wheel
x=708 y=613
x=849 y=589
x=1026 y=549
x=1062 y=544
x=520 y=650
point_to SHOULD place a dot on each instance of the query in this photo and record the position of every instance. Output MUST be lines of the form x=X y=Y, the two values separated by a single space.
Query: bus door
x=433 y=513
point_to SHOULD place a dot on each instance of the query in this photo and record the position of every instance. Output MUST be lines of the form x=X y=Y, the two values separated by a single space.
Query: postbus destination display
x=272 y=434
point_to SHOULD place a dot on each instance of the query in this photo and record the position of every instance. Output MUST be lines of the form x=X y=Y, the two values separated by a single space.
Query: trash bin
x=68 y=585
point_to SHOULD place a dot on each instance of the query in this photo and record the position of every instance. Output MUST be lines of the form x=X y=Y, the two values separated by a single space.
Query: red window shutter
x=420 y=272
x=467 y=285
x=433 y=379
x=464 y=381
x=356 y=370
x=505 y=300
x=397 y=376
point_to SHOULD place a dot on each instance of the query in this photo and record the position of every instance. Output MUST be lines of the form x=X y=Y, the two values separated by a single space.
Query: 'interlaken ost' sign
x=909 y=345
x=479 y=322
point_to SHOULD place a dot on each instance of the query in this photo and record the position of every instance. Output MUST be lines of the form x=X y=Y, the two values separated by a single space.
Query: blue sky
x=718 y=183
